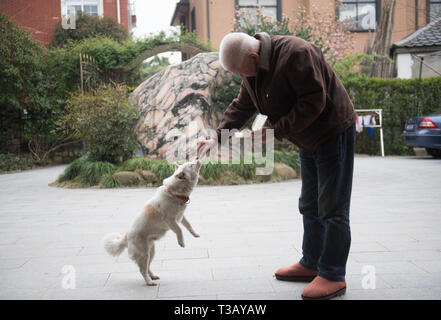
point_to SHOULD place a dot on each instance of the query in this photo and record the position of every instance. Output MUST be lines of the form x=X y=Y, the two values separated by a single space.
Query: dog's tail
x=114 y=243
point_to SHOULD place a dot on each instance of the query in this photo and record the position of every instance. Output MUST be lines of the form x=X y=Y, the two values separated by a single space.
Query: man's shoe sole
x=295 y=278
x=327 y=297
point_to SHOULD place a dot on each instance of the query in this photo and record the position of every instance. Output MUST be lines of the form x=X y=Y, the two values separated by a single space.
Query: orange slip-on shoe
x=323 y=289
x=296 y=272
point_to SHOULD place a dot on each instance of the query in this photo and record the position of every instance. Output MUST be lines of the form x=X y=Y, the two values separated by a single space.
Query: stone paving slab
x=247 y=232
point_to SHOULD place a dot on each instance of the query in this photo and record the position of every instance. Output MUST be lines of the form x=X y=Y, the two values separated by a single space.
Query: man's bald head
x=235 y=48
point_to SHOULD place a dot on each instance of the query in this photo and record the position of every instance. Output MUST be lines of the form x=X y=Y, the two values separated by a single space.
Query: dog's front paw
x=196 y=235
x=181 y=243
x=151 y=283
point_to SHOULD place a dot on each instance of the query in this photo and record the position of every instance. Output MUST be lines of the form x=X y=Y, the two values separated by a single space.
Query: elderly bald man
x=289 y=80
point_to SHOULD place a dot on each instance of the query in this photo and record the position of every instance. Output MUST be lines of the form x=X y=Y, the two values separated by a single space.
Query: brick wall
x=36 y=16
x=110 y=9
x=40 y=16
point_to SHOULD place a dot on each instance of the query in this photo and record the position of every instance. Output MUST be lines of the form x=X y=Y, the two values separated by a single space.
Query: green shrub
x=89 y=27
x=106 y=119
x=28 y=106
x=10 y=162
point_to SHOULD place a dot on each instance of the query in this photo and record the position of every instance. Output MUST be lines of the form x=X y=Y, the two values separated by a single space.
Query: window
x=89 y=7
x=433 y=9
x=270 y=8
x=362 y=15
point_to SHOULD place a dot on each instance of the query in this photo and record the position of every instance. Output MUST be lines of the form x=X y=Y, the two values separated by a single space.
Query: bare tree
x=382 y=42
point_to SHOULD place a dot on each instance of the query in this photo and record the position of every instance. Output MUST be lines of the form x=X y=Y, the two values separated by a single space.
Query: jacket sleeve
x=237 y=113
x=304 y=74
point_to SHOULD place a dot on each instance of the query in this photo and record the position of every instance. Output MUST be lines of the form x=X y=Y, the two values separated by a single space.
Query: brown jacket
x=296 y=88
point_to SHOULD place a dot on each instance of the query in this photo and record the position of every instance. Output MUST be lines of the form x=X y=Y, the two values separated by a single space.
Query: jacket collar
x=265 y=50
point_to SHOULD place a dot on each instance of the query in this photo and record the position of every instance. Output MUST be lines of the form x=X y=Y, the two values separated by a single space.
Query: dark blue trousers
x=324 y=203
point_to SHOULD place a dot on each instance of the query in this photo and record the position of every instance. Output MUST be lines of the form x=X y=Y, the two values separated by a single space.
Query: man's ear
x=254 y=55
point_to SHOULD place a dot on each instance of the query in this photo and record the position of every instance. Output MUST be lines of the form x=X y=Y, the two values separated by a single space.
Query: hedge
x=399 y=99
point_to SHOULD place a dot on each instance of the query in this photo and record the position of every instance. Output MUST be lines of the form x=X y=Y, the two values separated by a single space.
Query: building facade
x=212 y=19
x=39 y=17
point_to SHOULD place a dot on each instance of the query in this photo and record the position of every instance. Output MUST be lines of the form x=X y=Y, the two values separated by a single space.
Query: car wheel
x=436 y=153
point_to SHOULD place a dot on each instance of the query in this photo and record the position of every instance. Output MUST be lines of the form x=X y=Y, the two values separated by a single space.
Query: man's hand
x=204 y=146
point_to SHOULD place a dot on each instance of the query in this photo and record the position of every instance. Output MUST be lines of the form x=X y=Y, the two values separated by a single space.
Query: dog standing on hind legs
x=161 y=213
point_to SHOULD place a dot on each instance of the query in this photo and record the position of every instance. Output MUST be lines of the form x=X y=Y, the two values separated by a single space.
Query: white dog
x=161 y=213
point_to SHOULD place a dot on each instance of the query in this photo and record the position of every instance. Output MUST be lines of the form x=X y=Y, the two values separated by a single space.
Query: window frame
x=428 y=3
x=83 y=3
x=278 y=7
x=357 y=2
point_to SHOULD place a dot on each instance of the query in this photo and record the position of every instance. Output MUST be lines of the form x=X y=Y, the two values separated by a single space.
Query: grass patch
x=109 y=181
x=85 y=173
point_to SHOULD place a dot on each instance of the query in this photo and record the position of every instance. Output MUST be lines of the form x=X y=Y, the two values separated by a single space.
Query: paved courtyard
x=49 y=236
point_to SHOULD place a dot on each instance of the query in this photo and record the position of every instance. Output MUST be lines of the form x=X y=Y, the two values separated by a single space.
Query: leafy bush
x=109 y=55
x=106 y=119
x=10 y=162
x=27 y=105
x=89 y=27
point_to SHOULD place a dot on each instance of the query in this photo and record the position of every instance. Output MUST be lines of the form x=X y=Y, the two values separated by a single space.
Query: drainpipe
x=118 y=9
x=208 y=20
x=421 y=68
x=416 y=15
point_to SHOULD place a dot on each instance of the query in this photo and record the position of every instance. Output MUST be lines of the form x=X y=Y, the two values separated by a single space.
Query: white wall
x=404 y=65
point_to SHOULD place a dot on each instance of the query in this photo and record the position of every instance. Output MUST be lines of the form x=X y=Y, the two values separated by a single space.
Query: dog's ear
x=176 y=165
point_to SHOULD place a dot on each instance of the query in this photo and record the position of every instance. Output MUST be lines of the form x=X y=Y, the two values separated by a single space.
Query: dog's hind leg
x=141 y=258
x=151 y=249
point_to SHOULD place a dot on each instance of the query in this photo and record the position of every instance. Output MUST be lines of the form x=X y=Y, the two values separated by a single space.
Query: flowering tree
x=322 y=29
x=333 y=36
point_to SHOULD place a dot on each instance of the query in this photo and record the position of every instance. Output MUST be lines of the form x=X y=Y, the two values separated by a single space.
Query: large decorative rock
x=148 y=176
x=127 y=178
x=284 y=171
x=175 y=105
